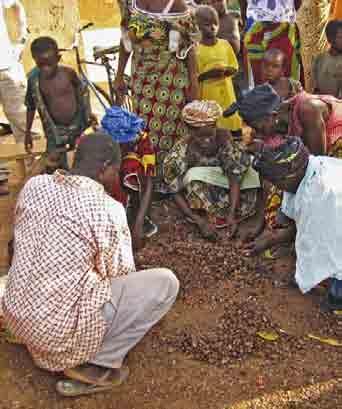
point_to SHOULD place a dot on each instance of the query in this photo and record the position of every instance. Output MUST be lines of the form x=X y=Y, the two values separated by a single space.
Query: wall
x=55 y=18
x=104 y=13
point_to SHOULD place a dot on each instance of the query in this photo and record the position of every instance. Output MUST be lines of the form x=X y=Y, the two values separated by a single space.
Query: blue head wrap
x=121 y=125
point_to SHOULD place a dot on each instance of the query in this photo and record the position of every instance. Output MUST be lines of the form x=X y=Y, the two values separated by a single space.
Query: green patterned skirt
x=159 y=84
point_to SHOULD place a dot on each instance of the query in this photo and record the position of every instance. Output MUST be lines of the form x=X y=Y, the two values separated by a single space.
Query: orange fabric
x=336 y=9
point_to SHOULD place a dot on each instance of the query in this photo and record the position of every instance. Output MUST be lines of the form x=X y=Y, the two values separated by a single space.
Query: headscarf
x=201 y=113
x=283 y=162
x=121 y=125
x=256 y=104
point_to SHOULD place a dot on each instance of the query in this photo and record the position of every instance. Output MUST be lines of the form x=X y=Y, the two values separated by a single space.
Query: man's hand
x=28 y=142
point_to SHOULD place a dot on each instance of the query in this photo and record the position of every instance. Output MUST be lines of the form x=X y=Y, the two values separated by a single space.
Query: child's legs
x=59 y=160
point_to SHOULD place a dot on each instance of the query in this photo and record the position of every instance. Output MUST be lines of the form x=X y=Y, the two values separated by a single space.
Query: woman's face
x=205 y=138
x=266 y=126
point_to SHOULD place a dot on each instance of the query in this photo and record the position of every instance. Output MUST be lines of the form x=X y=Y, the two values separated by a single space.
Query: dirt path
x=205 y=354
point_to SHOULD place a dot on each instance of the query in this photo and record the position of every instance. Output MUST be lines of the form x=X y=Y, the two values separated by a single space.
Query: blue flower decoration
x=121 y=125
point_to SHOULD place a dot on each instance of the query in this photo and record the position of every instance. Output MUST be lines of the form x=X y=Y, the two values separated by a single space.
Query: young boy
x=273 y=74
x=60 y=98
x=137 y=169
x=217 y=64
x=327 y=67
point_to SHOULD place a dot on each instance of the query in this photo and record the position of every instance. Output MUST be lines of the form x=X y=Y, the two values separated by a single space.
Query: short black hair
x=274 y=52
x=95 y=152
x=204 y=10
x=43 y=44
x=331 y=30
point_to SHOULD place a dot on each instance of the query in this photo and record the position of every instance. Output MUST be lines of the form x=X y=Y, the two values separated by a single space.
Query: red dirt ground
x=205 y=354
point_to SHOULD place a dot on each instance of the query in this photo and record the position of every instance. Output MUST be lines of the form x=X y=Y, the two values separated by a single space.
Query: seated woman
x=313 y=199
x=208 y=170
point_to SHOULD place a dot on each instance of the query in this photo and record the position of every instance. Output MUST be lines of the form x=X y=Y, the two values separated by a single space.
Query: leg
x=139 y=301
x=13 y=90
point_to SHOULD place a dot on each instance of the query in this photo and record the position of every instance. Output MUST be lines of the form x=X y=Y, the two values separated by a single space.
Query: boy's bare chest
x=59 y=86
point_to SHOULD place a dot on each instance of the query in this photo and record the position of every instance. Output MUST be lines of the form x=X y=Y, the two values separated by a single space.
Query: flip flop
x=73 y=388
x=70 y=389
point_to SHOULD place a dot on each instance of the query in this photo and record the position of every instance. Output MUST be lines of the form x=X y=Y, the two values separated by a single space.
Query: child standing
x=217 y=64
x=137 y=169
x=229 y=23
x=60 y=98
x=273 y=69
x=327 y=67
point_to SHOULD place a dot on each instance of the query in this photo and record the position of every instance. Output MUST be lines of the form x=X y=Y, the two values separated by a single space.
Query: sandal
x=73 y=388
x=90 y=374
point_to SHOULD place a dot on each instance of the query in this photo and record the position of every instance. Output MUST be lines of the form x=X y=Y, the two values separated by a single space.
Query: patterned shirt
x=71 y=239
x=276 y=11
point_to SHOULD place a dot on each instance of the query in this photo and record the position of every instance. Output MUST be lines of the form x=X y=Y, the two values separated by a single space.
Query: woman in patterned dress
x=312 y=19
x=159 y=35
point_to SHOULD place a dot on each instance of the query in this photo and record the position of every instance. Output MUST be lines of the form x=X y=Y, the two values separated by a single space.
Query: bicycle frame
x=105 y=62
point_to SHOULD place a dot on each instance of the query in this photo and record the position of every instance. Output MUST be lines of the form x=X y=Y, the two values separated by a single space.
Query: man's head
x=333 y=32
x=98 y=157
x=219 y=5
x=208 y=21
x=273 y=65
x=284 y=166
x=258 y=109
x=45 y=53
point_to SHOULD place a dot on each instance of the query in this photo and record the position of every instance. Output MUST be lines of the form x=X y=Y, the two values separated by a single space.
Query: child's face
x=338 y=41
x=208 y=24
x=219 y=5
x=47 y=63
x=273 y=68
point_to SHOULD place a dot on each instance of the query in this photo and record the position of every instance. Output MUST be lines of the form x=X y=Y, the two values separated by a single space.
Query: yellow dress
x=220 y=55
